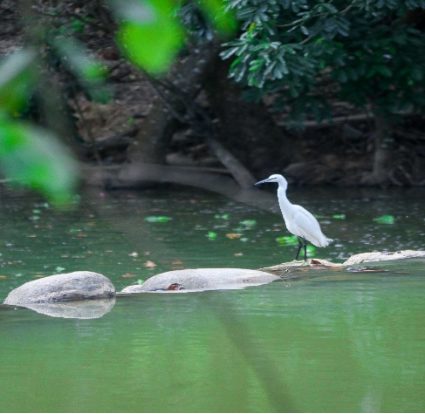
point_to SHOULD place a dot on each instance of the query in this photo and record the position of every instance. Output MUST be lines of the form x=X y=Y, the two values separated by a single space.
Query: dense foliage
x=369 y=53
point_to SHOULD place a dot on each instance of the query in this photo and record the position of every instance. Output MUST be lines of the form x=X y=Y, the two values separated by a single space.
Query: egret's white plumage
x=298 y=220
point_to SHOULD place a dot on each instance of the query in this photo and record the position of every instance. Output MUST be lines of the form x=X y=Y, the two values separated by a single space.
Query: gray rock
x=196 y=280
x=66 y=287
x=383 y=256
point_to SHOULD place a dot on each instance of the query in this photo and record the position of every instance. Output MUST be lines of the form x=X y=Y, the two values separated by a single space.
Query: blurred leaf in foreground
x=149 y=34
x=31 y=156
x=221 y=18
x=89 y=72
x=17 y=79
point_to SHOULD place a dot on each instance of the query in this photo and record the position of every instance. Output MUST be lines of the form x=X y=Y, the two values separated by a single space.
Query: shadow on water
x=271 y=378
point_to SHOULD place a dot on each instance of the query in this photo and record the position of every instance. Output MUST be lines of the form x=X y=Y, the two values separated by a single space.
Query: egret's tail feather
x=327 y=242
x=322 y=242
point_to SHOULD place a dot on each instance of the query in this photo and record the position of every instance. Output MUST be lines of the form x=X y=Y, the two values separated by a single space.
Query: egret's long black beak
x=262 y=181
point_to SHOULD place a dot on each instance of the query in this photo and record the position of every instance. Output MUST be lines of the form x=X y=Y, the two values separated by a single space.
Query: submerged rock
x=301 y=264
x=383 y=256
x=66 y=287
x=196 y=280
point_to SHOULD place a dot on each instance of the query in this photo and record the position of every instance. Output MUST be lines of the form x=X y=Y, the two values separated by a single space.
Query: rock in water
x=66 y=287
x=383 y=256
x=196 y=280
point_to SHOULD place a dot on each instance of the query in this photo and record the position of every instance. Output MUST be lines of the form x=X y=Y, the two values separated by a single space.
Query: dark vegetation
x=323 y=92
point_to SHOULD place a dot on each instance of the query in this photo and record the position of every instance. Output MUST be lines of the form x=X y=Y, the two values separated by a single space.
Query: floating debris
x=175 y=286
x=365 y=269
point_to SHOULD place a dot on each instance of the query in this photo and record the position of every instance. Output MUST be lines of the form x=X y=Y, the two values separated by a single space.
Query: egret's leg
x=300 y=245
x=305 y=249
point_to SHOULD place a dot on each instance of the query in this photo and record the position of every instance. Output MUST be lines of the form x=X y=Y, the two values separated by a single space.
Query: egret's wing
x=307 y=226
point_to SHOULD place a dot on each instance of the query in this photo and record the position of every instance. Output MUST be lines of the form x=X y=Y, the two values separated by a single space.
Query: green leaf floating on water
x=385 y=219
x=157 y=219
x=222 y=216
x=249 y=224
x=287 y=241
x=211 y=235
x=310 y=249
x=292 y=241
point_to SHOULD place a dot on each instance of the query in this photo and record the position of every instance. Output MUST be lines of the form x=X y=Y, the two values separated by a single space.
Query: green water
x=343 y=342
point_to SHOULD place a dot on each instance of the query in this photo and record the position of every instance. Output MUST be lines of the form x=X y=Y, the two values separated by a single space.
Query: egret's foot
x=301 y=262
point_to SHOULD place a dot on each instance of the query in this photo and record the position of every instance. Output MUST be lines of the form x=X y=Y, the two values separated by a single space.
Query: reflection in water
x=88 y=309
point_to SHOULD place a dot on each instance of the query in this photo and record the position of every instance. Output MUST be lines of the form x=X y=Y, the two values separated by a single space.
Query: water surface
x=333 y=342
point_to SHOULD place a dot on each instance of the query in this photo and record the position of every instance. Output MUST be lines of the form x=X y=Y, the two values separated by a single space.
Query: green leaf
x=287 y=240
x=157 y=219
x=150 y=34
x=385 y=219
x=310 y=249
x=221 y=216
x=17 y=80
x=89 y=72
x=211 y=235
x=227 y=53
x=223 y=20
x=384 y=71
x=249 y=224
x=31 y=156
x=305 y=30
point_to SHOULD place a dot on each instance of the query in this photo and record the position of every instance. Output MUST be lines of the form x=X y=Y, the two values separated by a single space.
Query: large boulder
x=66 y=287
x=196 y=280
x=383 y=256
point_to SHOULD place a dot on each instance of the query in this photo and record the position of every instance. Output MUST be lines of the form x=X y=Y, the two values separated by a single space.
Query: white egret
x=298 y=220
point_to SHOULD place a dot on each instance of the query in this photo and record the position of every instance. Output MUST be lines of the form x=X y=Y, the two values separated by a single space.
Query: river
x=336 y=342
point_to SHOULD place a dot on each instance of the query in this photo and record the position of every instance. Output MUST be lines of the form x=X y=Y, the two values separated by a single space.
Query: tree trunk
x=188 y=76
x=384 y=143
x=247 y=129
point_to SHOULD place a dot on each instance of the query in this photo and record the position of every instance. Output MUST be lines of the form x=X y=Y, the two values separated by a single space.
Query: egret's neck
x=284 y=204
